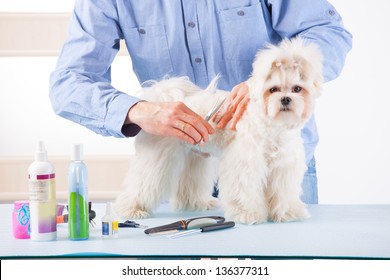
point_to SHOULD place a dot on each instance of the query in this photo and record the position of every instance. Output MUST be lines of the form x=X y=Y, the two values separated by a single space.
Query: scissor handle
x=176 y=225
x=218 y=226
x=199 y=222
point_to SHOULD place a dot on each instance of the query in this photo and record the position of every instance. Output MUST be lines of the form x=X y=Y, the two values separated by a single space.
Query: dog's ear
x=212 y=87
x=264 y=61
x=305 y=53
x=314 y=69
x=309 y=57
x=313 y=60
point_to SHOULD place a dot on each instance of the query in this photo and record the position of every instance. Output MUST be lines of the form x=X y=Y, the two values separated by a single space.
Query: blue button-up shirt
x=195 y=38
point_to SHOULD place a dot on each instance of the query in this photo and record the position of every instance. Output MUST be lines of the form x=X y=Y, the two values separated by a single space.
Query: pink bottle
x=21 y=219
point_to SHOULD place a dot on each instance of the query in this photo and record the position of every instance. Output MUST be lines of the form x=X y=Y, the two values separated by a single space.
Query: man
x=195 y=38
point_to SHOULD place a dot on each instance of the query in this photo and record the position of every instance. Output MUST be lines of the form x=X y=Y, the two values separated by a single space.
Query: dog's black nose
x=285 y=100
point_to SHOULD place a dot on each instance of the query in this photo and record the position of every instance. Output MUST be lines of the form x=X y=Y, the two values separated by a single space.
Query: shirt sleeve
x=318 y=22
x=80 y=86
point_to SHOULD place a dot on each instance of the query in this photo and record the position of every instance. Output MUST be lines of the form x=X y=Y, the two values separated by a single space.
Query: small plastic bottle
x=109 y=223
x=78 y=217
x=21 y=219
x=42 y=193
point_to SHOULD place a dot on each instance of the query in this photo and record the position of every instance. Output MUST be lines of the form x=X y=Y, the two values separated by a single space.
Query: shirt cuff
x=130 y=130
x=116 y=116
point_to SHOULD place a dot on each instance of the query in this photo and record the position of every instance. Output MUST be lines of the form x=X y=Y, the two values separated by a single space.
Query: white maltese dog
x=260 y=166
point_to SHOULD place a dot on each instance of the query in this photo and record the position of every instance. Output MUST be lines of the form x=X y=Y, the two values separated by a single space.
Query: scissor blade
x=183 y=233
x=208 y=228
x=214 y=109
x=166 y=232
x=169 y=227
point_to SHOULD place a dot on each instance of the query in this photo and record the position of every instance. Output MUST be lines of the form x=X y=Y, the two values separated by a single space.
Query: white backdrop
x=353 y=156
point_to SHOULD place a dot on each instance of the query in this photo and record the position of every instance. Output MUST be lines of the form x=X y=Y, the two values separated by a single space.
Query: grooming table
x=333 y=231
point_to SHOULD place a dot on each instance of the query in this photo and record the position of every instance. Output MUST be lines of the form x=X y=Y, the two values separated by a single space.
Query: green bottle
x=78 y=221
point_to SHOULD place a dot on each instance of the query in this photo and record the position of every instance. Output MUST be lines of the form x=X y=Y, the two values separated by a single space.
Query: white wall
x=52 y=6
x=25 y=87
x=353 y=114
x=26 y=115
x=353 y=156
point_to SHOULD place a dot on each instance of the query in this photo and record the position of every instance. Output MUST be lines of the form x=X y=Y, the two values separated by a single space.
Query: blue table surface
x=332 y=231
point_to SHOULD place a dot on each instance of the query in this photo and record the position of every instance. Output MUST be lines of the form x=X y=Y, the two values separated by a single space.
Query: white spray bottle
x=109 y=223
x=42 y=193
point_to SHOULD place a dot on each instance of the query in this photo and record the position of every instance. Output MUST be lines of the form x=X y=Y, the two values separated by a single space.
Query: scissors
x=204 y=229
x=186 y=224
x=214 y=109
x=196 y=148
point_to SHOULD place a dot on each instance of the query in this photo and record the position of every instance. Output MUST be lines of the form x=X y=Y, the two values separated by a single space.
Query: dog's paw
x=196 y=205
x=212 y=203
x=248 y=217
x=296 y=212
x=203 y=205
x=131 y=213
x=137 y=214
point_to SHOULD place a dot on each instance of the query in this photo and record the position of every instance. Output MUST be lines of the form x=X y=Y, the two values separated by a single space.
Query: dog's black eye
x=274 y=89
x=296 y=89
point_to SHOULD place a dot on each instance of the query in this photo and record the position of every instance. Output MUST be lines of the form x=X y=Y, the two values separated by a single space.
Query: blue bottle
x=78 y=219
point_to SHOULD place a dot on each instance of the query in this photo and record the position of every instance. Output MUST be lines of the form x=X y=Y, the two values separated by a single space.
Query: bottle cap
x=110 y=210
x=40 y=153
x=77 y=152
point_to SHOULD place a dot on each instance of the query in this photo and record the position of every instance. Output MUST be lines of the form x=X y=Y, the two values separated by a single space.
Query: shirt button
x=141 y=31
x=198 y=60
x=241 y=13
x=191 y=24
x=331 y=12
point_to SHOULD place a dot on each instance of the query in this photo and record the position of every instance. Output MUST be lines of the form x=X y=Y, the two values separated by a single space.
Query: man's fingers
x=234 y=107
x=197 y=128
x=219 y=114
x=227 y=116
x=182 y=135
x=239 y=112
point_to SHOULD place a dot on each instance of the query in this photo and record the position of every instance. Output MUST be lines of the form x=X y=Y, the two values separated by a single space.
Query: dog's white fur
x=260 y=166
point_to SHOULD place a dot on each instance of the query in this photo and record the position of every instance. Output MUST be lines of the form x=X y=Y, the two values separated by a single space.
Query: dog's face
x=286 y=95
x=290 y=78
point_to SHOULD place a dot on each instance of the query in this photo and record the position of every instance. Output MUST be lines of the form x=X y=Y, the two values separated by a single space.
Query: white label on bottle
x=39 y=190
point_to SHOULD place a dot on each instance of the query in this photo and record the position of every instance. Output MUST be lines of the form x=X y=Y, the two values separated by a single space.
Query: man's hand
x=233 y=107
x=170 y=119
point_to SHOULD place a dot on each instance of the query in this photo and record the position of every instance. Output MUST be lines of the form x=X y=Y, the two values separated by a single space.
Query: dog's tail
x=212 y=87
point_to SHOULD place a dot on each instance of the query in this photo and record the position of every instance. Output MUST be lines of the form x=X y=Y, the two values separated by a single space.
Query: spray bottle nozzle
x=77 y=152
x=41 y=146
x=41 y=153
